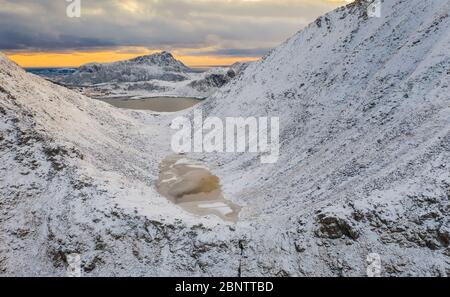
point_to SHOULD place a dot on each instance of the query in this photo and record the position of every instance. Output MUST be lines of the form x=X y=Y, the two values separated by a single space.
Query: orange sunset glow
x=75 y=59
x=197 y=32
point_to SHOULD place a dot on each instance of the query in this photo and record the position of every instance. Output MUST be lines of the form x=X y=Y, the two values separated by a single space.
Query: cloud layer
x=217 y=27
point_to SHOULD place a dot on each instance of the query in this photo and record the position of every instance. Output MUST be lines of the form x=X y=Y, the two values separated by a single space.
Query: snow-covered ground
x=364 y=165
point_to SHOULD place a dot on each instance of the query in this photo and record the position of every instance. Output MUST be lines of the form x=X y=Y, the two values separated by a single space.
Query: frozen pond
x=192 y=186
x=158 y=104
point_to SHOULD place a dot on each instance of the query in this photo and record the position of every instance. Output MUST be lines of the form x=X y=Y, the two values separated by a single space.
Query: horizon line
x=78 y=58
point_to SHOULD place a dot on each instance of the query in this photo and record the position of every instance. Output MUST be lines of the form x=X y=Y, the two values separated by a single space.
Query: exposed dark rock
x=334 y=227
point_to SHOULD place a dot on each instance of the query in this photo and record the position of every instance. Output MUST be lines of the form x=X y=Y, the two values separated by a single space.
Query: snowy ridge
x=365 y=121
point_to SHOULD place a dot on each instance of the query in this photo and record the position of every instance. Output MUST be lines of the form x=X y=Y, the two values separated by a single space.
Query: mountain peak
x=160 y=59
x=159 y=66
x=165 y=53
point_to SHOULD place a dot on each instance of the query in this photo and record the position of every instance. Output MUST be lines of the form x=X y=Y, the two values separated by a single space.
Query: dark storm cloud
x=225 y=25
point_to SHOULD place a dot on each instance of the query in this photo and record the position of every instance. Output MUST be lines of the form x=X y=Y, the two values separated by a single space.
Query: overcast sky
x=192 y=27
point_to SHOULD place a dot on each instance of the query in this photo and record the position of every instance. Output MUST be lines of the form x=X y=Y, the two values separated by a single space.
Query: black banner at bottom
x=225 y=286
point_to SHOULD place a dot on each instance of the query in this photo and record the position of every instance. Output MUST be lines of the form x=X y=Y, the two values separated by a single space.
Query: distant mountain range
x=158 y=74
x=51 y=72
x=161 y=66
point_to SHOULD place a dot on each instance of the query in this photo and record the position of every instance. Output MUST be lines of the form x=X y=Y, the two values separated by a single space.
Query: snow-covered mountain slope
x=66 y=163
x=364 y=165
x=364 y=107
x=161 y=66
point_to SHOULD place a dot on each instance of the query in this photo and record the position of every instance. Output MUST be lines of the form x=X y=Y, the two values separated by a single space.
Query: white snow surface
x=364 y=167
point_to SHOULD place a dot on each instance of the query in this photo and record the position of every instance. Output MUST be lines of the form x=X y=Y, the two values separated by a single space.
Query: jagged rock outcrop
x=216 y=78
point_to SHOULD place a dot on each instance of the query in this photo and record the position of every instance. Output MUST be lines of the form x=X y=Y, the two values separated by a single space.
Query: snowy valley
x=364 y=166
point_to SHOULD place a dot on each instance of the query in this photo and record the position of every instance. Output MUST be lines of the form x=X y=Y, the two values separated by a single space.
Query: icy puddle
x=158 y=104
x=192 y=186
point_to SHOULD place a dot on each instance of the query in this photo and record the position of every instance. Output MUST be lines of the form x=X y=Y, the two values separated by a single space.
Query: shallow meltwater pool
x=158 y=104
x=193 y=187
